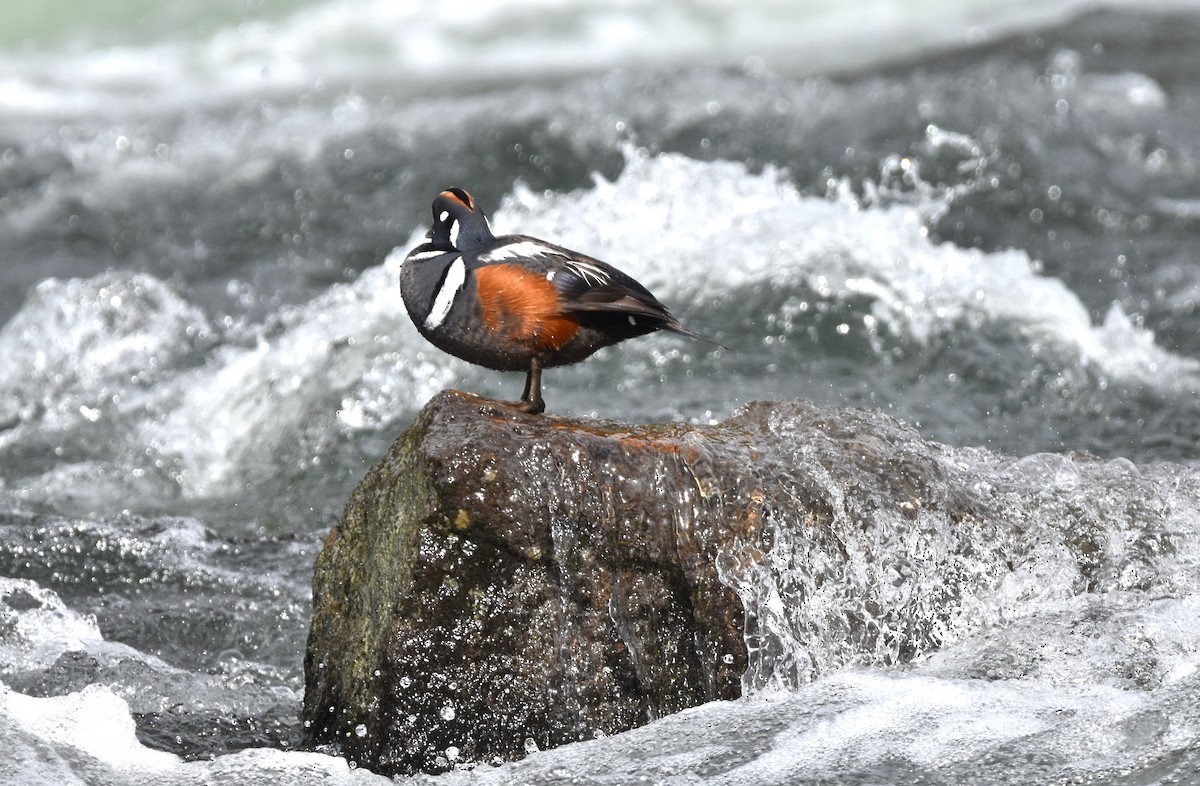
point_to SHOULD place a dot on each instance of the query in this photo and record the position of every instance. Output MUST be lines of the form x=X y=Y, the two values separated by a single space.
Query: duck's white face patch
x=443 y=216
x=454 y=233
x=453 y=282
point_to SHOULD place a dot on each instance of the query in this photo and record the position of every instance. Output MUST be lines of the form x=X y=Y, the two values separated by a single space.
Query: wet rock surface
x=502 y=581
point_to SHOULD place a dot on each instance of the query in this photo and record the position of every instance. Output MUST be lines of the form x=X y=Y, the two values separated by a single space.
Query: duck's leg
x=531 y=400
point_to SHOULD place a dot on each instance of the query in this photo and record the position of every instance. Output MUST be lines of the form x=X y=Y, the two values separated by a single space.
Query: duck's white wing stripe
x=455 y=276
x=523 y=248
x=420 y=257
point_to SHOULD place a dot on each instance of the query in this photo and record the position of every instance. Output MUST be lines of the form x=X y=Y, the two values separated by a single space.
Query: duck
x=517 y=303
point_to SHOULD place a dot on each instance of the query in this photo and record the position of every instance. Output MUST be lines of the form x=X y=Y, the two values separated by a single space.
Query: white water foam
x=36 y=627
x=697 y=231
x=41 y=635
x=76 y=346
x=234 y=414
x=865 y=727
x=844 y=727
x=694 y=232
x=410 y=43
x=963 y=713
x=88 y=737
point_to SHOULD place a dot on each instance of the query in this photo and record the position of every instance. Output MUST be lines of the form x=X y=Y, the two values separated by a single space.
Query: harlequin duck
x=515 y=303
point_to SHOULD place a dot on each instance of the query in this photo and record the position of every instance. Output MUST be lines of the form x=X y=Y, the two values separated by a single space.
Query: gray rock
x=501 y=581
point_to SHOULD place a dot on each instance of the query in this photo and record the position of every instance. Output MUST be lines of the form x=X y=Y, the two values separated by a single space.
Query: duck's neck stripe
x=451 y=284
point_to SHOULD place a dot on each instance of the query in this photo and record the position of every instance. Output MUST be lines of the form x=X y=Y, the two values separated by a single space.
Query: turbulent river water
x=980 y=217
